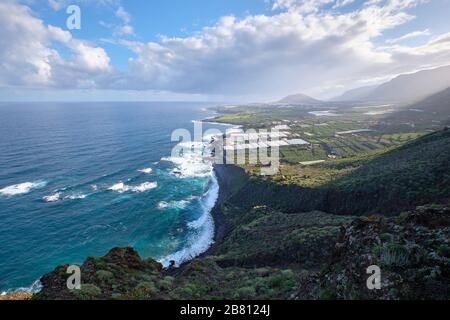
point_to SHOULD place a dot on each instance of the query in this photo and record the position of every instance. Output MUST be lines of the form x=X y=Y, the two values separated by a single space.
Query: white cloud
x=303 y=6
x=125 y=28
x=410 y=35
x=301 y=49
x=123 y=15
x=28 y=58
x=343 y=3
x=55 y=4
x=303 y=46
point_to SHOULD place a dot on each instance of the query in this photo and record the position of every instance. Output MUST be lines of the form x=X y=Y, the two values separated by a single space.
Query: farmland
x=334 y=131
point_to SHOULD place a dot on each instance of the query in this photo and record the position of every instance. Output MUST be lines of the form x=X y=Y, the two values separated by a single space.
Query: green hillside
x=272 y=242
x=415 y=174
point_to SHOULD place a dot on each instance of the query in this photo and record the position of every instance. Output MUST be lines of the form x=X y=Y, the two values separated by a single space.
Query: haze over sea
x=77 y=179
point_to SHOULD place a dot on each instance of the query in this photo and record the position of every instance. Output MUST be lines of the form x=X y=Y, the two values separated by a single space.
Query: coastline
x=218 y=217
x=225 y=176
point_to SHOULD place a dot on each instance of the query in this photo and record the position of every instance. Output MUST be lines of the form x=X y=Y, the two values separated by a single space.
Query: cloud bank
x=29 y=58
x=301 y=46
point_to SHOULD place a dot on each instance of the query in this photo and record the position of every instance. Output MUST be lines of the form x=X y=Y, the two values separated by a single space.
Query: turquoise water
x=79 y=179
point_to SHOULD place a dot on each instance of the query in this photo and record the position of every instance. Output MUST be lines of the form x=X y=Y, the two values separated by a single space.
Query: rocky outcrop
x=120 y=274
x=412 y=251
x=16 y=296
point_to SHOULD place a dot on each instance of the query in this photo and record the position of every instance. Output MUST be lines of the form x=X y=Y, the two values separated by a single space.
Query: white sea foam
x=192 y=162
x=144 y=187
x=78 y=196
x=182 y=204
x=52 y=198
x=146 y=170
x=122 y=188
x=58 y=196
x=22 y=188
x=34 y=288
x=202 y=230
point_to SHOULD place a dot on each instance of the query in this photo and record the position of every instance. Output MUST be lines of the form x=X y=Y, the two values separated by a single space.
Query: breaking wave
x=52 y=198
x=122 y=187
x=146 y=170
x=182 y=204
x=192 y=164
x=22 y=188
x=59 y=196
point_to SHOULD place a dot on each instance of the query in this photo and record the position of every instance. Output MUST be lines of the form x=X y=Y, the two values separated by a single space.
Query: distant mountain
x=357 y=94
x=299 y=99
x=439 y=103
x=405 y=88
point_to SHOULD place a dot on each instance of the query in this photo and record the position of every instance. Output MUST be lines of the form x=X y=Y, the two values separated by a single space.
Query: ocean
x=77 y=179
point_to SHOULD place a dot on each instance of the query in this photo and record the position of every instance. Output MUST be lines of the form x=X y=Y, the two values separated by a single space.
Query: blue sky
x=249 y=50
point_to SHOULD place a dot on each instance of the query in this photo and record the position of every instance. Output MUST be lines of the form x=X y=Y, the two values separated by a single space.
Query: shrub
x=144 y=290
x=104 y=276
x=327 y=294
x=246 y=293
x=166 y=283
x=443 y=250
x=88 y=292
x=394 y=255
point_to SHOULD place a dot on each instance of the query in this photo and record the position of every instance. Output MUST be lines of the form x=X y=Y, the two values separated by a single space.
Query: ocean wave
x=122 y=188
x=182 y=204
x=78 y=196
x=146 y=170
x=22 y=188
x=52 y=198
x=34 y=288
x=59 y=196
x=190 y=164
x=203 y=233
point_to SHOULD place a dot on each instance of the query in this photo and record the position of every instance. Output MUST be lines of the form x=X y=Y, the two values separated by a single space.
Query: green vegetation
x=297 y=235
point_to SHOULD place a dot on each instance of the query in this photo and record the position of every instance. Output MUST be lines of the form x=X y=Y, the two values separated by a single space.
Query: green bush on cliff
x=393 y=255
x=87 y=292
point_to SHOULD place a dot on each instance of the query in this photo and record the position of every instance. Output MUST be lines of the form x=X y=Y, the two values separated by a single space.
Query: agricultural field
x=339 y=135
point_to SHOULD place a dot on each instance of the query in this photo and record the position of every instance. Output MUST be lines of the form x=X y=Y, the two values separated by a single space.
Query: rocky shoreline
x=225 y=175
x=264 y=252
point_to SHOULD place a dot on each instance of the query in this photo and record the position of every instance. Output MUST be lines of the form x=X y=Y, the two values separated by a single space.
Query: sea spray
x=22 y=188
x=202 y=229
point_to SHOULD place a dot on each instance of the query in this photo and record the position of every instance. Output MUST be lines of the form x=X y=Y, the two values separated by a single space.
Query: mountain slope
x=439 y=103
x=357 y=94
x=411 y=87
x=299 y=99
x=405 y=88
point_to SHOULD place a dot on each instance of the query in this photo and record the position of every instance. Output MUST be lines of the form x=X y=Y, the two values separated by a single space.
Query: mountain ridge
x=299 y=98
x=405 y=88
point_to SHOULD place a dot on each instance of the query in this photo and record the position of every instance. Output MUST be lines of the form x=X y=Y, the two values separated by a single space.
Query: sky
x=214 y=50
